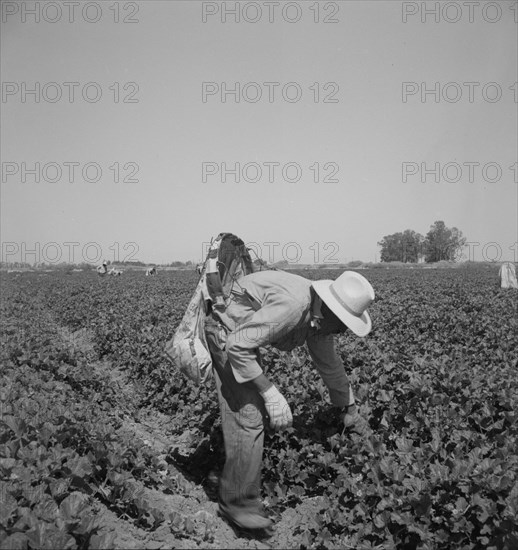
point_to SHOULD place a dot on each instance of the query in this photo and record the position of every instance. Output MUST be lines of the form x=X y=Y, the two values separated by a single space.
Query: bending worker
x=286 y=311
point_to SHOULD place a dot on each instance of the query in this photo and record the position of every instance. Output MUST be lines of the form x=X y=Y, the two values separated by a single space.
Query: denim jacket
x=275 y=308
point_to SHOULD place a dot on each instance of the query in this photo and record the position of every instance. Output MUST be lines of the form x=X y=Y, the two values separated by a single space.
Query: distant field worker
x=507 y=275
x=150 y=271
x=286 y=311
x=102 y=269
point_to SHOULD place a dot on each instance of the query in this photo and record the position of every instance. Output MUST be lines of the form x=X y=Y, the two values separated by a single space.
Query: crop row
x=437 y=380
x=61 y=448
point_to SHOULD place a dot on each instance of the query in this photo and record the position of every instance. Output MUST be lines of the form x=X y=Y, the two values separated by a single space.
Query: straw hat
x=348 y=298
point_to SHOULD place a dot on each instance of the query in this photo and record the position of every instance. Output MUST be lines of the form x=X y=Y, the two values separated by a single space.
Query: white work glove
x=352 y=420
x=350 y=416
x=277 y=408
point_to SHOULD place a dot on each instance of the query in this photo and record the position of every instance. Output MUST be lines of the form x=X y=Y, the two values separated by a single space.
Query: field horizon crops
x=104 y=444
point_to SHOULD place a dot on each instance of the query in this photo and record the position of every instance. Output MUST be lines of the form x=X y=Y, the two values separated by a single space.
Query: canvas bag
x=227 y=261
x=188 y=348
x=508 y=276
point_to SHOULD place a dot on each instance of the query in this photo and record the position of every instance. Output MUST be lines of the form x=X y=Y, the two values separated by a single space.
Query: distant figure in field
x=150 y=271
x=199 y=268
x=102 y=270
x=114 y=271
x=507 y=275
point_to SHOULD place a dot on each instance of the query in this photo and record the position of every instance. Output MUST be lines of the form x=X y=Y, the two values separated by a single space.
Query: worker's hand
x=277 y=408
x=353 y=421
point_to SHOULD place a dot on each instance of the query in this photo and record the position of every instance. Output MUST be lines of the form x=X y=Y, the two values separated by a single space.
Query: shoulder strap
x=212 y=274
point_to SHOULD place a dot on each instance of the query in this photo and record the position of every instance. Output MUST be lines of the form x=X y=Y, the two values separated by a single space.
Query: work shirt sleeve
x=331 y=369
x=278 y=315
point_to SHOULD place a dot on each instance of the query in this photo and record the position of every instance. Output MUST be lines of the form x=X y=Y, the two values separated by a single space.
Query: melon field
x=103 y=444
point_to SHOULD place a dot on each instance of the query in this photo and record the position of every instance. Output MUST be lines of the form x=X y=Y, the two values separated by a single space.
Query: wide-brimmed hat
x=348 y=298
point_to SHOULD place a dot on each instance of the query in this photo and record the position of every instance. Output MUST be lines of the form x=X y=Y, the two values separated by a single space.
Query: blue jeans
x=243 y=418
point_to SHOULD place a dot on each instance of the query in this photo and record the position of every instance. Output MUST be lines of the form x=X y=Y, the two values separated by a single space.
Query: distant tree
x=442 y=243
x=401 y=247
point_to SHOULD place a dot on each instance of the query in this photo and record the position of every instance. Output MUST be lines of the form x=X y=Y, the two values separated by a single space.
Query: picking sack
x=507 y=275
x=188 y=348
x=227 y=261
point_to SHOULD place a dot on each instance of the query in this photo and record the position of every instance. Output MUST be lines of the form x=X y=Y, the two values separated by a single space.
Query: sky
x=140 y=130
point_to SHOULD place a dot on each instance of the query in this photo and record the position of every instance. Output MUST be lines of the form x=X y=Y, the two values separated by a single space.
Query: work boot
x=247 y=520
x=249 y=524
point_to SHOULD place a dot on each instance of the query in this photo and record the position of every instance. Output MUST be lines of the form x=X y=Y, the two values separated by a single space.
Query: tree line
x=440 y=243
